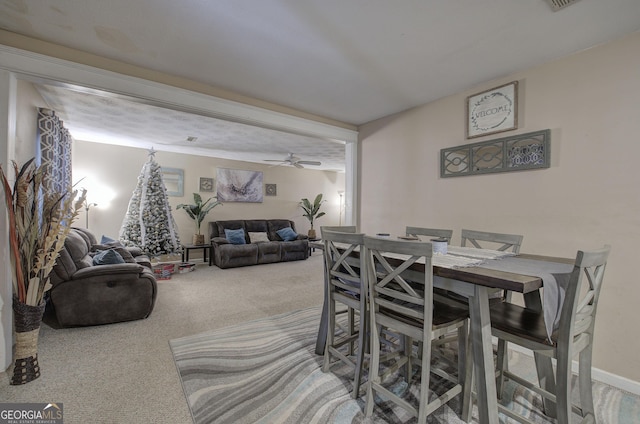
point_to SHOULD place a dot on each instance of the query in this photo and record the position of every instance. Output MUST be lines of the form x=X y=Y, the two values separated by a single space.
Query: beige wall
x=27 y=103
x=117 y=168
x=588 y=197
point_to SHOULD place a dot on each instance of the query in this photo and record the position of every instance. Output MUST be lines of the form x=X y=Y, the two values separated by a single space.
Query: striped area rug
x=266 y=371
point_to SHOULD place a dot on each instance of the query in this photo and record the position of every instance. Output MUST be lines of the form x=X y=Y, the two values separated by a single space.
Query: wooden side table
x=206 y=251
x=315 y=244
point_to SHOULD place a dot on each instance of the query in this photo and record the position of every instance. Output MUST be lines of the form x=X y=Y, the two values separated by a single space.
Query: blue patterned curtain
x=54 y=152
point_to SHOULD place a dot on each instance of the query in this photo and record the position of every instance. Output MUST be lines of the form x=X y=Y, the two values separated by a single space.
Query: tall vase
x=27 y=320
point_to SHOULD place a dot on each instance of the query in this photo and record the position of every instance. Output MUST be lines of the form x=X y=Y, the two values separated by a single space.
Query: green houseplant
x=198 y=211
x=312 y=212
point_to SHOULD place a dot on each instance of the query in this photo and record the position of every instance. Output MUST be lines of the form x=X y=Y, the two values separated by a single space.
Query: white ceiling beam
x=42 y=68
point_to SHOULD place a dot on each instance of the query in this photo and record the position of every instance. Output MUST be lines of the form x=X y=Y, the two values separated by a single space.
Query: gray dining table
x=477 y=283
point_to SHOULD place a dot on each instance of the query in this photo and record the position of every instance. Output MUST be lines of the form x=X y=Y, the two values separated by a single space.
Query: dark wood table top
x=492 y=278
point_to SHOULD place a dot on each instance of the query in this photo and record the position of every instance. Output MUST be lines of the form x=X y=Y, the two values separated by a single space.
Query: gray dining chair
x=494 y=241
x=439 y=294
x=501 y=242
x=429 y=232
x=339 y=228
x=401 y=299
x=346 y=285
x=574 y=336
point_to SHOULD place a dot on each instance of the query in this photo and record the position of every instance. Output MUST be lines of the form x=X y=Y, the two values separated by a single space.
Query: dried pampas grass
x=39 y=223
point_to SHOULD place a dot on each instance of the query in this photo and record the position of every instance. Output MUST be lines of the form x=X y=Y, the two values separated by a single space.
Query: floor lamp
x=341 y=193
x=86 y=208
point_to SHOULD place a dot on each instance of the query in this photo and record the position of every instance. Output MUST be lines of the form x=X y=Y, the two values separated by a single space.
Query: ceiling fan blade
x=297 y=165
x=274 y=160
x=310 y=162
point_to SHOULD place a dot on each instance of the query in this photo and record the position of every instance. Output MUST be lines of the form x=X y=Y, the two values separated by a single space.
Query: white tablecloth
x=555 y=278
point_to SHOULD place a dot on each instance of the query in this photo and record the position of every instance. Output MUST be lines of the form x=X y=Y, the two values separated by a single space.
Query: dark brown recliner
x=86 y=294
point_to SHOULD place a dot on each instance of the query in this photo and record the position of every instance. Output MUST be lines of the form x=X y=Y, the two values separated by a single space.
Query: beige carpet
x=124 y=373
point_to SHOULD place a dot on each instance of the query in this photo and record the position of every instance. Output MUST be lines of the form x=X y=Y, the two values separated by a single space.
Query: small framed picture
x=493 y=111
x=271 y=189
x=173 y=179
x=206 y=184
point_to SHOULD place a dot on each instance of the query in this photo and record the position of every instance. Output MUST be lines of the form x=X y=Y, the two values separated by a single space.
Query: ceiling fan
x=295 y=161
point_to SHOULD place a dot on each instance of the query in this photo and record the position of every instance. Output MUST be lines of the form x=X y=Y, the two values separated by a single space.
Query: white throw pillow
x=258 y=237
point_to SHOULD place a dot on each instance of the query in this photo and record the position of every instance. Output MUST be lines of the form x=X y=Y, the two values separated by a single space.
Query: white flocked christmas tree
x=148 y=223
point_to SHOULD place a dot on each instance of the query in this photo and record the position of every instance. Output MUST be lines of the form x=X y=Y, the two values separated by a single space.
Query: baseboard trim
x=597 y=374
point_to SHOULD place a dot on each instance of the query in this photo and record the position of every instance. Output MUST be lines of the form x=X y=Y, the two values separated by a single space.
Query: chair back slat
x=579 y=310
x=582 y=324
x=494 y=241
x=394 y=275
x=429 y=232
x=392 y=297
x=340 y=261
x=338 y=252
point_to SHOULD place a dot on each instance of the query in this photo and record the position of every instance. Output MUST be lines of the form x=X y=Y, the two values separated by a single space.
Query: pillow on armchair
x=106 y=239
x=107 y=257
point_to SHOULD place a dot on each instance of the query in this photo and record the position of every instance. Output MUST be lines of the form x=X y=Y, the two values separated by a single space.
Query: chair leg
x=408 y=351
x=424 y=382
x=331 y=329
x=546 y=380
x=466 y=378
x=502 y=365
x=362 y=337
x=351 y=326
x=374 y=364
x=563 y=388
x=584 y=380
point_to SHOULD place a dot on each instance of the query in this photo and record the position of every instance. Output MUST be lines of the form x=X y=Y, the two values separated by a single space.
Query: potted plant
x=312 y=212
x=39 y=221
x=198 y=211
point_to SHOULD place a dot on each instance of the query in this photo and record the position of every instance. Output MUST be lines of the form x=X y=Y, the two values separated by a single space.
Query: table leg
x=544 y=366
x=483 y=355
x=186 y=254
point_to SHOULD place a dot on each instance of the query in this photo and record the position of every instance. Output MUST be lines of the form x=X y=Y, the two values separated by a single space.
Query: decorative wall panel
x=514 y=153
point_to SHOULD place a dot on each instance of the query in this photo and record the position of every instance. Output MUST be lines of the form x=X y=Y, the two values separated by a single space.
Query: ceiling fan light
x=560 y=4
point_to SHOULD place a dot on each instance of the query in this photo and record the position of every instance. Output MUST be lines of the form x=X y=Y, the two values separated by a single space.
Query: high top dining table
x=477 y=283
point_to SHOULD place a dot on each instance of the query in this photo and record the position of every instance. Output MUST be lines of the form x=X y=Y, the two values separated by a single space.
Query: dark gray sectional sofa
x=225 y=254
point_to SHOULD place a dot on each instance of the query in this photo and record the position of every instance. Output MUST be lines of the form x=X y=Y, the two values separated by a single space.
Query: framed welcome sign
x=493 y=111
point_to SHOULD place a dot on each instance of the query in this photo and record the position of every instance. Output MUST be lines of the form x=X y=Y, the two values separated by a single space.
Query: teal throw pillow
x=107 y=257
x=235 y=236
x=106 y=239
x=287 y=234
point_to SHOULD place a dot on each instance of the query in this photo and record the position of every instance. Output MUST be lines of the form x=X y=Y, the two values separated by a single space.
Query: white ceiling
x=353 y=61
